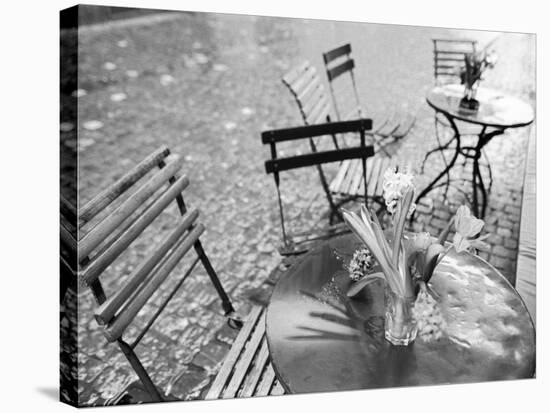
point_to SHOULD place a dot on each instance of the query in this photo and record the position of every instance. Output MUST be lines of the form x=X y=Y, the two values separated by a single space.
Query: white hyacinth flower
x=394 y=187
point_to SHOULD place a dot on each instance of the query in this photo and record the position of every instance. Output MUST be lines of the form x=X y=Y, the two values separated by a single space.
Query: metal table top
x=320 y=340
x=496 y=109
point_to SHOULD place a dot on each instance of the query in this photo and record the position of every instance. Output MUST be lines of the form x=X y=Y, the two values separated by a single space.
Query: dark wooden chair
x=111 y=222
x=315 y=107
x=338 y=64
x=359 y=182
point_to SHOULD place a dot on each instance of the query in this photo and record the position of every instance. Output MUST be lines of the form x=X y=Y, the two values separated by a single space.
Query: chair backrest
x=276 y=164
x=115 y=218
x=449 y=58
x=339 y=62
x=309 y=93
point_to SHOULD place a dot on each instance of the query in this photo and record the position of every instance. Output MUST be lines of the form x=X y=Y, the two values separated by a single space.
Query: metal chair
x=315 y=107
x=111 y=222
x=339 y=62
x=295 y=243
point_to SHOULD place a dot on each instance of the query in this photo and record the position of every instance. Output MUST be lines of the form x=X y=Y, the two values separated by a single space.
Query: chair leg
x=140 y=370
x=226 y=302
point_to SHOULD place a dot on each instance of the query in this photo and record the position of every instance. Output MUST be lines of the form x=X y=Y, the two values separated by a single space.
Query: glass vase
x=469 y=100
x=400 y=326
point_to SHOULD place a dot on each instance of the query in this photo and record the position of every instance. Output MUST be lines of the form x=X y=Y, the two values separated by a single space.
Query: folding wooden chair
x=361 y=182
x=449 y=58
x=315 y=107
x=109 y=224
x=338 y=62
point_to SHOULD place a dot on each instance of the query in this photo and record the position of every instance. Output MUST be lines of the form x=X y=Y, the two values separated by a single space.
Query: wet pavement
x=206 y=85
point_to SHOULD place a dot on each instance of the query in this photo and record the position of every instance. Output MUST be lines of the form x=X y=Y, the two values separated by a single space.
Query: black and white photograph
x=255 y=206
x=219 y=207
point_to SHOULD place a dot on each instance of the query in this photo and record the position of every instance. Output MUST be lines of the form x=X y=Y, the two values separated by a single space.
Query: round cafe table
x=496 y=113
x=320 y=340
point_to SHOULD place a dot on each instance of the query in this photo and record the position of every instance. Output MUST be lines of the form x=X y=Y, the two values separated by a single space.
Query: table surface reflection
x=496 y=109
x=320 y=340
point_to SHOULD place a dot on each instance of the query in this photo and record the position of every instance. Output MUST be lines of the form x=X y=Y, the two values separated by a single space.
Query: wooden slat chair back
x=309 y=93
x=315 y=107
x=109 y=224
x=449 y=58
x=339 y=65
x=277 y=164
x=339 y=62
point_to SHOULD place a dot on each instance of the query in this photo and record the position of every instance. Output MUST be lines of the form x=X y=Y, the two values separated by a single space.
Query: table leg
x=477 y=179
x=449 y=166
x=475 y=173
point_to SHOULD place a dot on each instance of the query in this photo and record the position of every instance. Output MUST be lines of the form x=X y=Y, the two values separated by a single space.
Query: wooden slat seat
x=247 y=370
x=348 y=183
x=108 y=226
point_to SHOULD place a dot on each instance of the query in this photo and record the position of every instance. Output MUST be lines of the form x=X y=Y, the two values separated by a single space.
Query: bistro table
x=496 y=113
x=321 y=340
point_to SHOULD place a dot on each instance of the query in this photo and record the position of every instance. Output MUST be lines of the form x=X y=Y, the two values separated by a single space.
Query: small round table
x=496 y=113
x=321 y=340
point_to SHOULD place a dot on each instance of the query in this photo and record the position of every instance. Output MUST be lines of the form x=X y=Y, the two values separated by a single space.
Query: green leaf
x=356 y=287
x=432 y=255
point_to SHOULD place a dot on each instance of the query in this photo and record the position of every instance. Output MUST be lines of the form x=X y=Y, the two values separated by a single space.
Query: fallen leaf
x=230 y=126
x=118 y=97
x=92 y=125
x=109 y=66
x=218 y=67
x=200 y=58
x=165 y=80
x=79 y=93
x=85 y=142
x=246 y=111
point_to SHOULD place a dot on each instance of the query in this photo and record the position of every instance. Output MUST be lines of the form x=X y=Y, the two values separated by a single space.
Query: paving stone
x=226 y=334
x=504 y=232
x=504 y=223
x=502 y=252
x=511 y=243
x=188 y=382
x=211 y=356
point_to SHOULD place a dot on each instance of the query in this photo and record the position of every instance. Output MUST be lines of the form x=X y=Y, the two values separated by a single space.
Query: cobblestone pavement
x=206 y=85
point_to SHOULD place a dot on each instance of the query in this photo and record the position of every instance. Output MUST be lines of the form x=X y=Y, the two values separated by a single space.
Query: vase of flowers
x=470 y=75
x=404 y=261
